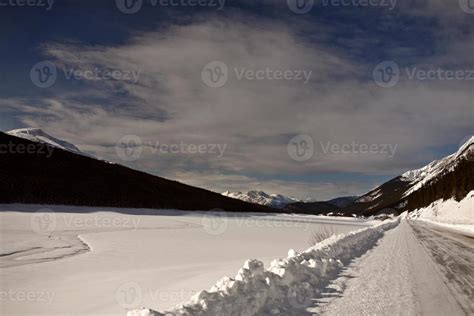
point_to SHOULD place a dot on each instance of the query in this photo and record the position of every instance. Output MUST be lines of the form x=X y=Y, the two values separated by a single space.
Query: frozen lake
x=104 y=261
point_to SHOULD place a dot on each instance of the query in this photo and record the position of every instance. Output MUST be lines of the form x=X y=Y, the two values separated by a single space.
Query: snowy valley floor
x=122 y=261
x=396 y=268
x=100 y=262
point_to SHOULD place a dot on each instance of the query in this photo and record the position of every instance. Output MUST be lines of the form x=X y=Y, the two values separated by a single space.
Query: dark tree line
x=70 y=179
x=455 y=183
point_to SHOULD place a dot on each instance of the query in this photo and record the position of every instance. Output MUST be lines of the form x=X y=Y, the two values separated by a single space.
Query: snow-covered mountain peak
x=38 y=135
x=468 y=144
x=419 y=177
x=263 y=198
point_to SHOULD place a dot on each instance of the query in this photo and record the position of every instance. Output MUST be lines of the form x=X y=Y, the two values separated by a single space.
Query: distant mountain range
x=260 y=197
x=449 y=177
x=333 y=206
x=65 y=175
x=284 y=202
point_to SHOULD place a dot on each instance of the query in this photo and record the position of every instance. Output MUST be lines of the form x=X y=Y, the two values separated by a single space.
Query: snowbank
x=450 y=215
x=287 y=285
x=448 y=212
x=466 y=230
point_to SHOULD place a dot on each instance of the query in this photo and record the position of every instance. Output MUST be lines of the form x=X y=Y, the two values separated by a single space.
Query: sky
x=314 y=99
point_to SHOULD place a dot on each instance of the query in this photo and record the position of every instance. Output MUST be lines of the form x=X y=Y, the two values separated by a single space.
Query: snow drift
x=287 y=285
x=453 y=215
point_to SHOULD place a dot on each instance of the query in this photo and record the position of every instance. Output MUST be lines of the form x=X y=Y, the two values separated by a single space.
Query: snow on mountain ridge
x=263 y=198
x=419 y=177
x=371 y=196
x=38 y=135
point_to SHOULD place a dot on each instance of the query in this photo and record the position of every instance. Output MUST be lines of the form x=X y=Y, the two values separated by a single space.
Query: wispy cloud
x=254 y=119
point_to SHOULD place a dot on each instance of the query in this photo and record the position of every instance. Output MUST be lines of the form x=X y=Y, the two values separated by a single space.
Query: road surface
x=454 y=256
x=414 y=270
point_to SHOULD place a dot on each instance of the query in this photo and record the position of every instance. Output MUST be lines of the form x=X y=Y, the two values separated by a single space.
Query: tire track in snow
x=454 y=258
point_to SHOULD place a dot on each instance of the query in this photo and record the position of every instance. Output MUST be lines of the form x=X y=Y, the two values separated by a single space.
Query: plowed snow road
x=407 y=273
x=454 y=255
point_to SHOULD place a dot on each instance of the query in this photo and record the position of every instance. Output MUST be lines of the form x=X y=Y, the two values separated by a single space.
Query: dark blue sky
x=365 y=34
x=413 y=34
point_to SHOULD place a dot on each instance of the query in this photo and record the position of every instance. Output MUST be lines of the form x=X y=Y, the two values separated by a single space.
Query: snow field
x=287 y=285
x=144 y=249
